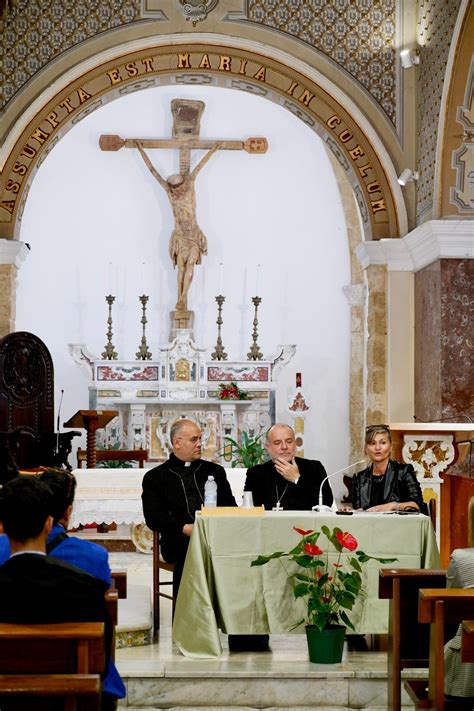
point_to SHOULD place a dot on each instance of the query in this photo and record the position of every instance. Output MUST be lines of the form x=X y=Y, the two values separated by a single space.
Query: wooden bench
x=41 y=665
x=438 y=608
x=114 y=455
x=408 y=641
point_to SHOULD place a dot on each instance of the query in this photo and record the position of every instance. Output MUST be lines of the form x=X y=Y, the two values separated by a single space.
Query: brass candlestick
x=109 y=353
x=219 y=353
x=143 y=353
x=255 y=352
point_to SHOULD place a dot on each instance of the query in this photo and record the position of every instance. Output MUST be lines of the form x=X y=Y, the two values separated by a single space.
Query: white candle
x=143 y=279
x=110 y=278
x=220 y=279
x=256 y=280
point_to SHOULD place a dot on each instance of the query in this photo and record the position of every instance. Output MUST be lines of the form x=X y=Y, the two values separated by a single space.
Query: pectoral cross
x=187 y=243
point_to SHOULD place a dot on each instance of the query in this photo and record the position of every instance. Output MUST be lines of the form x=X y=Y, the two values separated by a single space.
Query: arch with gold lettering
x=297 y=87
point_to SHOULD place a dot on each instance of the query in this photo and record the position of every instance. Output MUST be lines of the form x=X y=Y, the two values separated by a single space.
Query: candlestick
x=255 y=353
x=109 y=352
x=219 y=353
x=143 y=353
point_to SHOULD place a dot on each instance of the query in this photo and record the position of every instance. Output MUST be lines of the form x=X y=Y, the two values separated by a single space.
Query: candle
x=256 y=280
x=220 y=279
x=110 y=278
x=143 y=279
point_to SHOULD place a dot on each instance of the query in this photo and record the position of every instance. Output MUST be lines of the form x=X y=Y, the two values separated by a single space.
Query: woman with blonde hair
x=385 y=484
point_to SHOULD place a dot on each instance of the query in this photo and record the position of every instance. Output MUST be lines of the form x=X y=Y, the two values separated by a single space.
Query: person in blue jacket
x=85 y=555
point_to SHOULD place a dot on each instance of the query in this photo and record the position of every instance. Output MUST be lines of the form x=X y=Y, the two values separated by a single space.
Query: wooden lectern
x=91 y=421
x=432 y=448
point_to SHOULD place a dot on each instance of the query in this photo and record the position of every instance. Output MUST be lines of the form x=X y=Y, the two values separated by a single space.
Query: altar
x=149 y=395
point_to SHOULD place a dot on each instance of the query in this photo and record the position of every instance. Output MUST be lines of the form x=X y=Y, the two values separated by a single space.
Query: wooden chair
x=114 y=455
x=41 y=665
x=159 y=564
x=467 y=641
x=438 y=608
x=408 y=642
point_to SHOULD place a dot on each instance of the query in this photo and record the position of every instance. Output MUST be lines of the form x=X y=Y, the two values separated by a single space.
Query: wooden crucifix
x=187 y=243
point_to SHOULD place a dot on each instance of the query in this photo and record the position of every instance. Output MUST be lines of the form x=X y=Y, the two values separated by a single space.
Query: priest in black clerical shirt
x=285 y=481
x=174 y=491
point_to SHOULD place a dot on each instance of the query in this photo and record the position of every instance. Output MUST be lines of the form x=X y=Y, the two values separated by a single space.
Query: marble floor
x=158 y=676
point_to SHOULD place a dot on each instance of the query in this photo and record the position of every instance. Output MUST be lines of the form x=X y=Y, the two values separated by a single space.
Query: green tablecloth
x=219 y=589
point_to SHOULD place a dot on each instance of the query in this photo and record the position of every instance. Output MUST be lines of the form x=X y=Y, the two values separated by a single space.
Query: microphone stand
x=322 y=508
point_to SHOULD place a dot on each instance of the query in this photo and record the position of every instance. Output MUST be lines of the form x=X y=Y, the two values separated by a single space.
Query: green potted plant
x=329 y=583
x=248 y=452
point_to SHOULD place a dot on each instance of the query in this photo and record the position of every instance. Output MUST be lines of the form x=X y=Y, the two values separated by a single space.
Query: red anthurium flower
x=301 y=531
x=337 y=565
x=318 y=573
x=347 y=540
x=312 y=550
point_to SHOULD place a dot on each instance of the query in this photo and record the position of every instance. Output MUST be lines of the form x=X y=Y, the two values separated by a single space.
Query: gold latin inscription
x=186 y=60
x=346 y=137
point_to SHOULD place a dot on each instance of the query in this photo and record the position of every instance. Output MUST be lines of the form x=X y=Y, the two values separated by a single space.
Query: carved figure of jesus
x=187 y=242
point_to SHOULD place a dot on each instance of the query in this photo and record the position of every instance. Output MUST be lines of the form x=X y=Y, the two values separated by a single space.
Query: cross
x=187 y=242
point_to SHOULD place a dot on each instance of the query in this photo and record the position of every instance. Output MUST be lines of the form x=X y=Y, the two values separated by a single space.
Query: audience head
x=185 y=436
x=281 y=442
x=378 y=443
x=25 y=508
x=63 y=488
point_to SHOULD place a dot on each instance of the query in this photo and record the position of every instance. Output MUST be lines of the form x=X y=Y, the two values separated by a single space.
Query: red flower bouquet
x=231 y=391
x=329 y=587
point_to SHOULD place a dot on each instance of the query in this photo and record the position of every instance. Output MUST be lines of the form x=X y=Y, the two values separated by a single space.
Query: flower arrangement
x=329 y=588
x=231 y=391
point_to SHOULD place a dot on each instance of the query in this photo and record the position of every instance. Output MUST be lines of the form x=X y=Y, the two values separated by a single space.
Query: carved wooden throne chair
x=27 y=436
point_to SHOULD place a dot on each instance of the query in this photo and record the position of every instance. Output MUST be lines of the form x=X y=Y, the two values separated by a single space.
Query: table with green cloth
x=221 y=591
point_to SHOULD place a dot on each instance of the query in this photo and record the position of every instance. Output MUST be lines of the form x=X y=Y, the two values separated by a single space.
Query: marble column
x=444 y=376
x=12 y=256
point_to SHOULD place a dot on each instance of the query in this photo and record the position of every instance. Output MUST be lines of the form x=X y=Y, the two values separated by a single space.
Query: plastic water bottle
x=210 y=493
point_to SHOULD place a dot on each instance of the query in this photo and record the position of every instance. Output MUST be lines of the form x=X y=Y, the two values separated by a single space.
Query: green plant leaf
x=262 y=559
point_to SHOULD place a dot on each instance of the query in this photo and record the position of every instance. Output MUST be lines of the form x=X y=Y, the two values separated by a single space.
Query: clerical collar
x=179 y=464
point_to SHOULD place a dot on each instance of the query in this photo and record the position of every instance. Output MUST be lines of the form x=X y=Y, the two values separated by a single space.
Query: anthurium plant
x=328 y=587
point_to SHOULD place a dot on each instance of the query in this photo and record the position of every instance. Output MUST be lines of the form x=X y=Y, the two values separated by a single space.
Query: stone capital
x=13 y=252
x=437 y=239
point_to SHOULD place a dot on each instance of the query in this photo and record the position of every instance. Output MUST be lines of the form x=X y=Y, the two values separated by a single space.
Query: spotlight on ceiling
x=408 y=175
x=409 y=58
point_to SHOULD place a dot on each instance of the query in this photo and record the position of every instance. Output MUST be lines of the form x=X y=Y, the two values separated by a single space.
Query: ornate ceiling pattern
x=436 y=20
x=33 y=33
x=359 y=35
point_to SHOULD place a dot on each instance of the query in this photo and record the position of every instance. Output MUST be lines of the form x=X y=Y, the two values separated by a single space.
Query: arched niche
x=373 y=202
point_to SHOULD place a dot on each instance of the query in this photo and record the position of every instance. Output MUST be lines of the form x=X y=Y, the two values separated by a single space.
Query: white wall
x=87 y=208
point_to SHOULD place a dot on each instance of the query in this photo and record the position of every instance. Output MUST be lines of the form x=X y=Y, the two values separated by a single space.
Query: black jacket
x=40 y=589
x=267 y=486
x=400 y=485
x=165 y=504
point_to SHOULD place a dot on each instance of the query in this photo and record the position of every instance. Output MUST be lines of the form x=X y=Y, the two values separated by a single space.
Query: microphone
x=322 y=508
x=57 y=424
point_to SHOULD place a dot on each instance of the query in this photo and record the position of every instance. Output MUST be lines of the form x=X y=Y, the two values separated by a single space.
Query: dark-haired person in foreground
x=89 y=557
x=36 y=588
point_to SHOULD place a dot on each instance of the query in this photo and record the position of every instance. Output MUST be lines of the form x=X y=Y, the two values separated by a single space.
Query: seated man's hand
x=188 y=529
x=288 y=470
